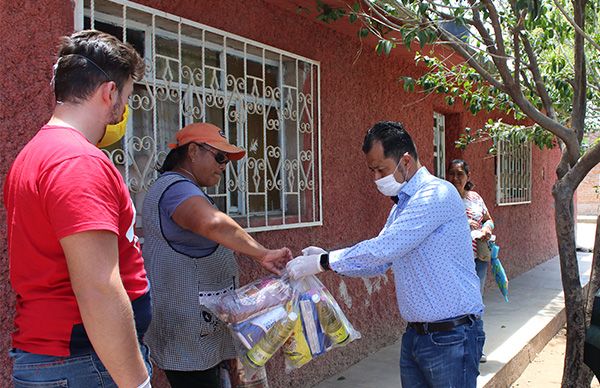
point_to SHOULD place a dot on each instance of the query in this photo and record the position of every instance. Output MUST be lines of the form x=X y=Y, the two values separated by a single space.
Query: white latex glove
x=313 y=251
x=303 y=266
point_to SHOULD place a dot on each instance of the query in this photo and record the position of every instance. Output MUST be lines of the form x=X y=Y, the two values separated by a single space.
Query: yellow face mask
x=114 y=132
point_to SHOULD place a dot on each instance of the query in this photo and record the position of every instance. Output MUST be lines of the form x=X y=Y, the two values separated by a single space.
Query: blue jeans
x=85 y=370
x=481 y=267
x=448 y=359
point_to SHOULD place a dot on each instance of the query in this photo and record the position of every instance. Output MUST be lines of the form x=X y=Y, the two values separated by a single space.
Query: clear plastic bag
x=322 y=327
x=300 y=316
x=253 y=299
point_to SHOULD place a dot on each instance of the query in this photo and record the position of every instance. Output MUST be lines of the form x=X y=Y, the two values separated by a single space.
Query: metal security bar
x=265 y=99
x=513 y=173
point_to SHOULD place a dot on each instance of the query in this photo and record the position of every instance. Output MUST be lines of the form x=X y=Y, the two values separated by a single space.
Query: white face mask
x=388 y=185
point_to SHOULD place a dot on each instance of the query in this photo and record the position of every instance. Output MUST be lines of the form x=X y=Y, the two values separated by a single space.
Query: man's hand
x=313 y=251
x=303 y=266
x=274 y=260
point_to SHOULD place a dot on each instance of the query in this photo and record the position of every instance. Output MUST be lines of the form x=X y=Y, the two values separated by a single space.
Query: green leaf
x=387 y=46
x=408 y=38
x=363 y=32
x=422 y=37
x=408 y=83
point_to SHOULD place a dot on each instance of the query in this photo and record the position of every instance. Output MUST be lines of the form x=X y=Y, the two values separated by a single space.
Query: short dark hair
x=87 y=59
x=469 y=185
x=394 y=139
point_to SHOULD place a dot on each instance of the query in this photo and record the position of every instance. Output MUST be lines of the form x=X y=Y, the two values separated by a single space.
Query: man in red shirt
x=75 y=263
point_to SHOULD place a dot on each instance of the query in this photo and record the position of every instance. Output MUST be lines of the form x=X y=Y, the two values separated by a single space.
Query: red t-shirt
x=61 y=184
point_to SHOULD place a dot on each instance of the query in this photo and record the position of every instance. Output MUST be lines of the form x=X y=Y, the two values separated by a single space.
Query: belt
x=430 y=327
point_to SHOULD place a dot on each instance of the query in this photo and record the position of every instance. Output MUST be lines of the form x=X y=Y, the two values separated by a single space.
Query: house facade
x=299 y=96
x=588 y=192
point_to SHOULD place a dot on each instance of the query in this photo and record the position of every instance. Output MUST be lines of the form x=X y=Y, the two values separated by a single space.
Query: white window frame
x=513 y=173
x=439 y=145
x=306 y=180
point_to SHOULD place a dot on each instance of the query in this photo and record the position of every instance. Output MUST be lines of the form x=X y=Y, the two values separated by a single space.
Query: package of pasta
x=251 y=300
x=322 y=325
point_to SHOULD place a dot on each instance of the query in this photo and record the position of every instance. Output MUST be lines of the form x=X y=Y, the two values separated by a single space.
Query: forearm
x=108 y=320
x=357 y=261
x=228 y=233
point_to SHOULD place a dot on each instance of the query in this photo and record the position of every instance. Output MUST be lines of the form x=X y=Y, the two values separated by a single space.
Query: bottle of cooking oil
x=330 y=322
x=264 y=349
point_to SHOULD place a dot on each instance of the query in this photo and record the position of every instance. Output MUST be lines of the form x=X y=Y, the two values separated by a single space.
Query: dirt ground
x=546 y=369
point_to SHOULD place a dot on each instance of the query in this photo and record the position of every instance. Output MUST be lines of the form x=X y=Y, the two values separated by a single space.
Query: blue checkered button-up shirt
x=427 y=242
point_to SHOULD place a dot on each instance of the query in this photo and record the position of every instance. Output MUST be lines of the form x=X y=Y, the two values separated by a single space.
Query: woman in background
x=478 y=215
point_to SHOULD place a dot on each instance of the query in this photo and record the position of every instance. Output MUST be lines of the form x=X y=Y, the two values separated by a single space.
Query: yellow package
x=295 y=349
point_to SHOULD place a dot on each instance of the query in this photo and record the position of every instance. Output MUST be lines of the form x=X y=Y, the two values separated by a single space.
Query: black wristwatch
x=325 y=262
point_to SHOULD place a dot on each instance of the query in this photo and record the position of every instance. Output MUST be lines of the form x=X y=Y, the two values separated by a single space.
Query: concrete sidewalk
x=515 y=331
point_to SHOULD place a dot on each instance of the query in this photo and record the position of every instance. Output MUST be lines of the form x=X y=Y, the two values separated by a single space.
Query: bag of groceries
x=299 y=316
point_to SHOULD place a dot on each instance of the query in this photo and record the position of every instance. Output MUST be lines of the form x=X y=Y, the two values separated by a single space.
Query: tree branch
x=583 y=166
x=496 y=48
x=516 y=33
x=594 y=281
x=526 y=82
x=455 y=44
x=487 y=39
x=579 y=30
x=540 y=86
x=580 y=81
x=495 y=20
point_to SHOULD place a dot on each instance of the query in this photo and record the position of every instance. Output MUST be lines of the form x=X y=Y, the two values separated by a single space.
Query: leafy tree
x=536 y=59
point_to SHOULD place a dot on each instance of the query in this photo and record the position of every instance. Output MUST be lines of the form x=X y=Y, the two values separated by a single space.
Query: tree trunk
x=573 y=373
x=593 y=286
x=594 y=283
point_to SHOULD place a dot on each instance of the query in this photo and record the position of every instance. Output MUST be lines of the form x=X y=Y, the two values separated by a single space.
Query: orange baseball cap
x=209 y=134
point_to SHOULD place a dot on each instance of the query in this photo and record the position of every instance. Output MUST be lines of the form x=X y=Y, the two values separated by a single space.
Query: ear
x=108 y=92
x=405 y=159
x=193 y=151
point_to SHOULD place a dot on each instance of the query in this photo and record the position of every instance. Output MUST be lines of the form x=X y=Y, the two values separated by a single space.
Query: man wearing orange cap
x=189 y=252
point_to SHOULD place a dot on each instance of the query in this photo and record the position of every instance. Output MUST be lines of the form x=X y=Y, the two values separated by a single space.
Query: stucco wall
x=525 y=233
x=29 y=32
x=588 y=192
x=356 y=91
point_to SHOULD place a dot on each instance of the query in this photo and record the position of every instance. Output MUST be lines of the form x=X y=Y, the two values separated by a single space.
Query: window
x=439 y=145
x=265 y=99
x=513 y=170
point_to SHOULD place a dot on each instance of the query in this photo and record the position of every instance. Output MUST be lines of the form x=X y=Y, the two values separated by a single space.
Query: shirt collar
x=416 y=181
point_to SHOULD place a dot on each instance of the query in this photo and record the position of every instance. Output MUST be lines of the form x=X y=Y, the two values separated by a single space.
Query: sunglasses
x=220 y=157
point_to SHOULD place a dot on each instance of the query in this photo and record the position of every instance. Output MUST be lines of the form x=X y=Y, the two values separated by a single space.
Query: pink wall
x=525 y=233
x=588 y=193
x=356 y=91
x=29 y=32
